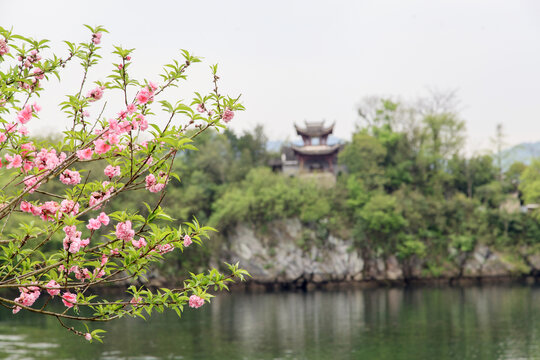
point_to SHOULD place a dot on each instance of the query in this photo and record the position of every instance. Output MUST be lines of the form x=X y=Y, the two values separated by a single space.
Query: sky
x=315 y=60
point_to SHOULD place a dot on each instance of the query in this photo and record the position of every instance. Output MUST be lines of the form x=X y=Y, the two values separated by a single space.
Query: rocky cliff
x=290 y=254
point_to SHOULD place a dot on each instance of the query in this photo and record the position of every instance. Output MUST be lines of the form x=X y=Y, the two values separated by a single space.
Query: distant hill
x=523 y=152
x=275 y=145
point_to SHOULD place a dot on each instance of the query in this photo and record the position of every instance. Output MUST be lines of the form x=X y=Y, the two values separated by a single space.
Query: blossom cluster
x=130 y=161
x=50 y=210
x=28 y=296
x=4 y=48
x=72 y=242
x=154 y=184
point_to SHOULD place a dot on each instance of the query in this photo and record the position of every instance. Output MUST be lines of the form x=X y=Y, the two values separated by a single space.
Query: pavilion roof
x=314 y=129
x=316 y=149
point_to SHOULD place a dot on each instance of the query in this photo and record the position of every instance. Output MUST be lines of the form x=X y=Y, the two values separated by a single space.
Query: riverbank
x=289 y=255
x=257 y=286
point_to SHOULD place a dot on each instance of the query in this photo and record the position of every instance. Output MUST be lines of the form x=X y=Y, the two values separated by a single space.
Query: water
x=489 y=322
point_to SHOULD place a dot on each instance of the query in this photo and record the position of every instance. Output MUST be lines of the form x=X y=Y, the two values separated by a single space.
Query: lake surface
x=488 y=322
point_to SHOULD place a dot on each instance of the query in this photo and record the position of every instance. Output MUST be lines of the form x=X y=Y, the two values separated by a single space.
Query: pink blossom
x=99 y=274
x=112 y=171
x=131 y=108
x=28 y=147
x=96 y=38
x=155 y=185
x=3 y=137
x=80 y=273
x=85 y=154
x=195 y=301
x=35 y=106
x=135 y=300
x=122 y=114
x=13 y=161
x=22 y=130
x=16 y=309
x=93 y=224
x=113 y=139
x=72 y=241
x=27 y=166
x=86 y=113
x=27 y=297
x=53 y=284
x=38 y=74
x=70 y=230
x=4 y=49
x=49 y=210
x=86 y=273
x=187 y=240
x=163 y=249
x=70 y=177
x=104 y=259
x=124 y=231
x=46 y=159
x=138 y=243
x=143 y=124
x=115 y=251
x=95 y=94
x=31 y=181
x=88 y=336
x=75 y=246
x=11 y=127
x=153 y=86
x=201 y=108
x=227 y=115
x=69 y=207
x=26 y=207
x=150 y=180
x=114 y=126
x=97 y=197
x=69 y=299
x=126 y=126
x=36 y=210
x=145 y=95
x=25 y=114
x=103 y=218
x=101 y=146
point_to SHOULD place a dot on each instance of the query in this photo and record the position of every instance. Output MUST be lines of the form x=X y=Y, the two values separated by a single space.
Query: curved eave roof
x=314 y=130
x=316 y=149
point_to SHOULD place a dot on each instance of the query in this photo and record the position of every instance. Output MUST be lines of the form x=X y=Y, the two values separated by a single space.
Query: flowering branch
x=99 y=246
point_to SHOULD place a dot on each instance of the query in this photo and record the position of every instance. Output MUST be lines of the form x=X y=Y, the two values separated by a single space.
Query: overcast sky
x=312 y=60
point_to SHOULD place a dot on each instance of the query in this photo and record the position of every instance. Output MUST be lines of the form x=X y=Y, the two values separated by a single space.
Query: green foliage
x=530 y=182
x=265 y=196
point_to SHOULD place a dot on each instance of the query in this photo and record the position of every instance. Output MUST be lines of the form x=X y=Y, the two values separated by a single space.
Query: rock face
x=288 y=253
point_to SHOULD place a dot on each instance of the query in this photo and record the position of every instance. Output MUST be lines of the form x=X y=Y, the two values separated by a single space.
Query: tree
x=70 y=239
x=364 y=157
x=499 y=143
x=530 y=182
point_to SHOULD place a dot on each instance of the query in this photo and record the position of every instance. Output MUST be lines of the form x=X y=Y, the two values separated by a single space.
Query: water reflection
x=490 y=322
